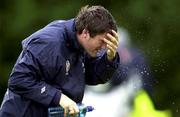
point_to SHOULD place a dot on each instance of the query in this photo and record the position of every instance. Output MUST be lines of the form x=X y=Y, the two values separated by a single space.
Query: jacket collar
x=71 y=32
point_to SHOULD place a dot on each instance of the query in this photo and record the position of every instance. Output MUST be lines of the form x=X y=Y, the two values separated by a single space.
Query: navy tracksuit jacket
x=51 y=62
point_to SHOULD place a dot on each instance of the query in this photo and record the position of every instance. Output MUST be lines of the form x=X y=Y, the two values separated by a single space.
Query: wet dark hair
x=96 y=19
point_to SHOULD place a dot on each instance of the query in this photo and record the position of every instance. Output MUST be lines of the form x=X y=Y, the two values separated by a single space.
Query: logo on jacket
x=43 y=89
x=67 y=67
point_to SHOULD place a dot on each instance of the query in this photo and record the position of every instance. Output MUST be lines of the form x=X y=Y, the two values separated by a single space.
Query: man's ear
x=85 y=34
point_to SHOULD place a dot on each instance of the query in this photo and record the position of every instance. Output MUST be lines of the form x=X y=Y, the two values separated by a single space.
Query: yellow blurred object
x=143 y=107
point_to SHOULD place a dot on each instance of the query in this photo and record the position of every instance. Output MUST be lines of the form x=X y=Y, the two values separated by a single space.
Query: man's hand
x=68 y=105
x=112 y=44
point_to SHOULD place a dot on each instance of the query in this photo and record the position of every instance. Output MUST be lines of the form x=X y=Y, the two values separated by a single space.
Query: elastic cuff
x=56 y=99
x=114 y=63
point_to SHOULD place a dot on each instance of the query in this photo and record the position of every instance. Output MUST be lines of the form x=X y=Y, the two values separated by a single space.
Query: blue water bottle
x=56 y=112
x=83 y=109
x=59 y=111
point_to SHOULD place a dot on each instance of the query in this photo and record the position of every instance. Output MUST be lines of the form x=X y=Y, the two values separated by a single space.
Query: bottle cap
x=90 y=108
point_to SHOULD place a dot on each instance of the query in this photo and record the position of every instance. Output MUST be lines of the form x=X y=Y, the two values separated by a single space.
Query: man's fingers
x=111 y=49
x=111 y=52
x=114 y=46
x=111 y=44
x=115 y=34
x=76 y=110
x=71 y=111
x=112 y=39
x=65 y=112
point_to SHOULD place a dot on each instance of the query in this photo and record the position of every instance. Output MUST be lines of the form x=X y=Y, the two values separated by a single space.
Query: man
x=57 y=61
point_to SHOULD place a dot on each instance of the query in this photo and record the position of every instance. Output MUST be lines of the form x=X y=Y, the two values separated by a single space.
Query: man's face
x=93 y=45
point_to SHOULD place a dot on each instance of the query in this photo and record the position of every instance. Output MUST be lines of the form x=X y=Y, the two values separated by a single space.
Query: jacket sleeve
x=100 y=70
x=29 y=77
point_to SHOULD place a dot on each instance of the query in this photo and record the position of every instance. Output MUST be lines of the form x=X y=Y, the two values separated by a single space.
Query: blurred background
x=154 y=27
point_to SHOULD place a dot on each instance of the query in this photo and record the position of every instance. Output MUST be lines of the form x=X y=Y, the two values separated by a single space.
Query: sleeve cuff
x=55 y=100
x=114 y=63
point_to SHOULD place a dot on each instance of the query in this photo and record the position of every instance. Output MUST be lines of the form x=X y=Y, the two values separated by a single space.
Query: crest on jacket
x=67 y=67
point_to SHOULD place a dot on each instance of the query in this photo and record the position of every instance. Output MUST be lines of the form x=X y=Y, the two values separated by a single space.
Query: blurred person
x=115 y=98
x=58 y=60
